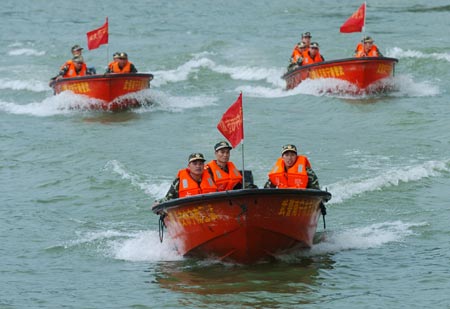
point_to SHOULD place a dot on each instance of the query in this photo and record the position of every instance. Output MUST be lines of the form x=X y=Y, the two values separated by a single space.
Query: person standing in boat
x=76 y=50
x=292 y=171
x=193 y=180
x=306 y=39
x=222 y=170
x=366 y=48
x=122 y=65
x=312 y=55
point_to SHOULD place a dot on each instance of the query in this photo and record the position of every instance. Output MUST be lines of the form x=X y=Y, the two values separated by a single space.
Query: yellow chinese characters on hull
x=384 y=69
x=297 y=208
x=194 y=215
x=81 y=87
x=329 y=72
x=135 y=85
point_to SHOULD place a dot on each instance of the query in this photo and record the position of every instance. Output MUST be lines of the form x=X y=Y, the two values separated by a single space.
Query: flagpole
x=364 y=23
x=243 y=166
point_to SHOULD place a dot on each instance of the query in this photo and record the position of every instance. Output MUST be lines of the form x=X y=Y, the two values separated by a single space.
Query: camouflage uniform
x=313 y=181
x=173 y=191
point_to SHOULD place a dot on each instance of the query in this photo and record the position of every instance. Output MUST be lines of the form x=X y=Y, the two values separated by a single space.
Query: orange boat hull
x=243 y=226
x=108 y=88
x=363 y=73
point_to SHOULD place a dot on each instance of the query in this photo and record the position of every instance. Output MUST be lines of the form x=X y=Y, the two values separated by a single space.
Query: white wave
x=63 y=103
x=350 y=188
x=136 y=180
x=34 y=85
x=165 y=102
x=145 y=246
x=182 y=72
x=397 y=52
x=270 y=75
x=372 y=236
x=129 y=246
x=25 y=52
x=406 y=87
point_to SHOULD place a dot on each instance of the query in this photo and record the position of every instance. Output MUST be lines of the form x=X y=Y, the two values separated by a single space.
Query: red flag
x=232 y=123
x=98 y=36
x=356 y=22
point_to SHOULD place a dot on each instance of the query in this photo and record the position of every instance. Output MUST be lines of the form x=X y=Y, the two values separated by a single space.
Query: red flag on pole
x=356 y=22
x=97 y=37
x=232 y=123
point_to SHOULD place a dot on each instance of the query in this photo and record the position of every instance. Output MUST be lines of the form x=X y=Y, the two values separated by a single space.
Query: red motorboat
x=109 y=88
x=367 y=75
x=243 y=226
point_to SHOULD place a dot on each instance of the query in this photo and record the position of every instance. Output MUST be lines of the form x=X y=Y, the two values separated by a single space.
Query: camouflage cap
x=221 y=145
x=314 y=45
x=116 y=55
x=306 y=35
x=301 y=45
x=76 y=47
x=288 y=147
x=123 y=56
x=367 y=39
x=196 y=156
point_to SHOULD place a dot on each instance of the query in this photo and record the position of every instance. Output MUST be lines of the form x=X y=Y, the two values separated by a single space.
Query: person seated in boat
x=75 y=68
x=366 y=48
x=292 y=171
x=222 y=170
x=122 y=65
x=312 y=55
x=193 y=180
x=115 y=59
x=297 y=56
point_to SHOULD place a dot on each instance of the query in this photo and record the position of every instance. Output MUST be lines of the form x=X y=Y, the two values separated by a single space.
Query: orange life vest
x=307 y=59
x=71 y=72
x=296 y=54
x=359 y=51
x=190 y=187
x=225 y=181
x=110 y=65
x=116 y=69
x=294 y=177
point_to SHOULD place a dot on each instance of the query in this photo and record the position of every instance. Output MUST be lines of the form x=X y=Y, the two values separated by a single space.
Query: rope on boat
x=323 y=210
x=161 y=225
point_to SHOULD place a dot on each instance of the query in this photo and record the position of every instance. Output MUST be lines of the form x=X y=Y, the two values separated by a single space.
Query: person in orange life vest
x=292 y=171
x=75 y=68
x=312 y=55
x=76 y=50
x=297 y=56
x=115 y=59
x=122 y=65
x=366 y=48
x=193 y=180
x=222 y=170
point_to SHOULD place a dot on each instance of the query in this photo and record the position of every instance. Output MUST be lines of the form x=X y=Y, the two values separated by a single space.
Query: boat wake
x=68 y=103
x=360 y=238
x=137 y=181
x=397 y=52
x=129 y=246
x=349 y=188
x=271 y=85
